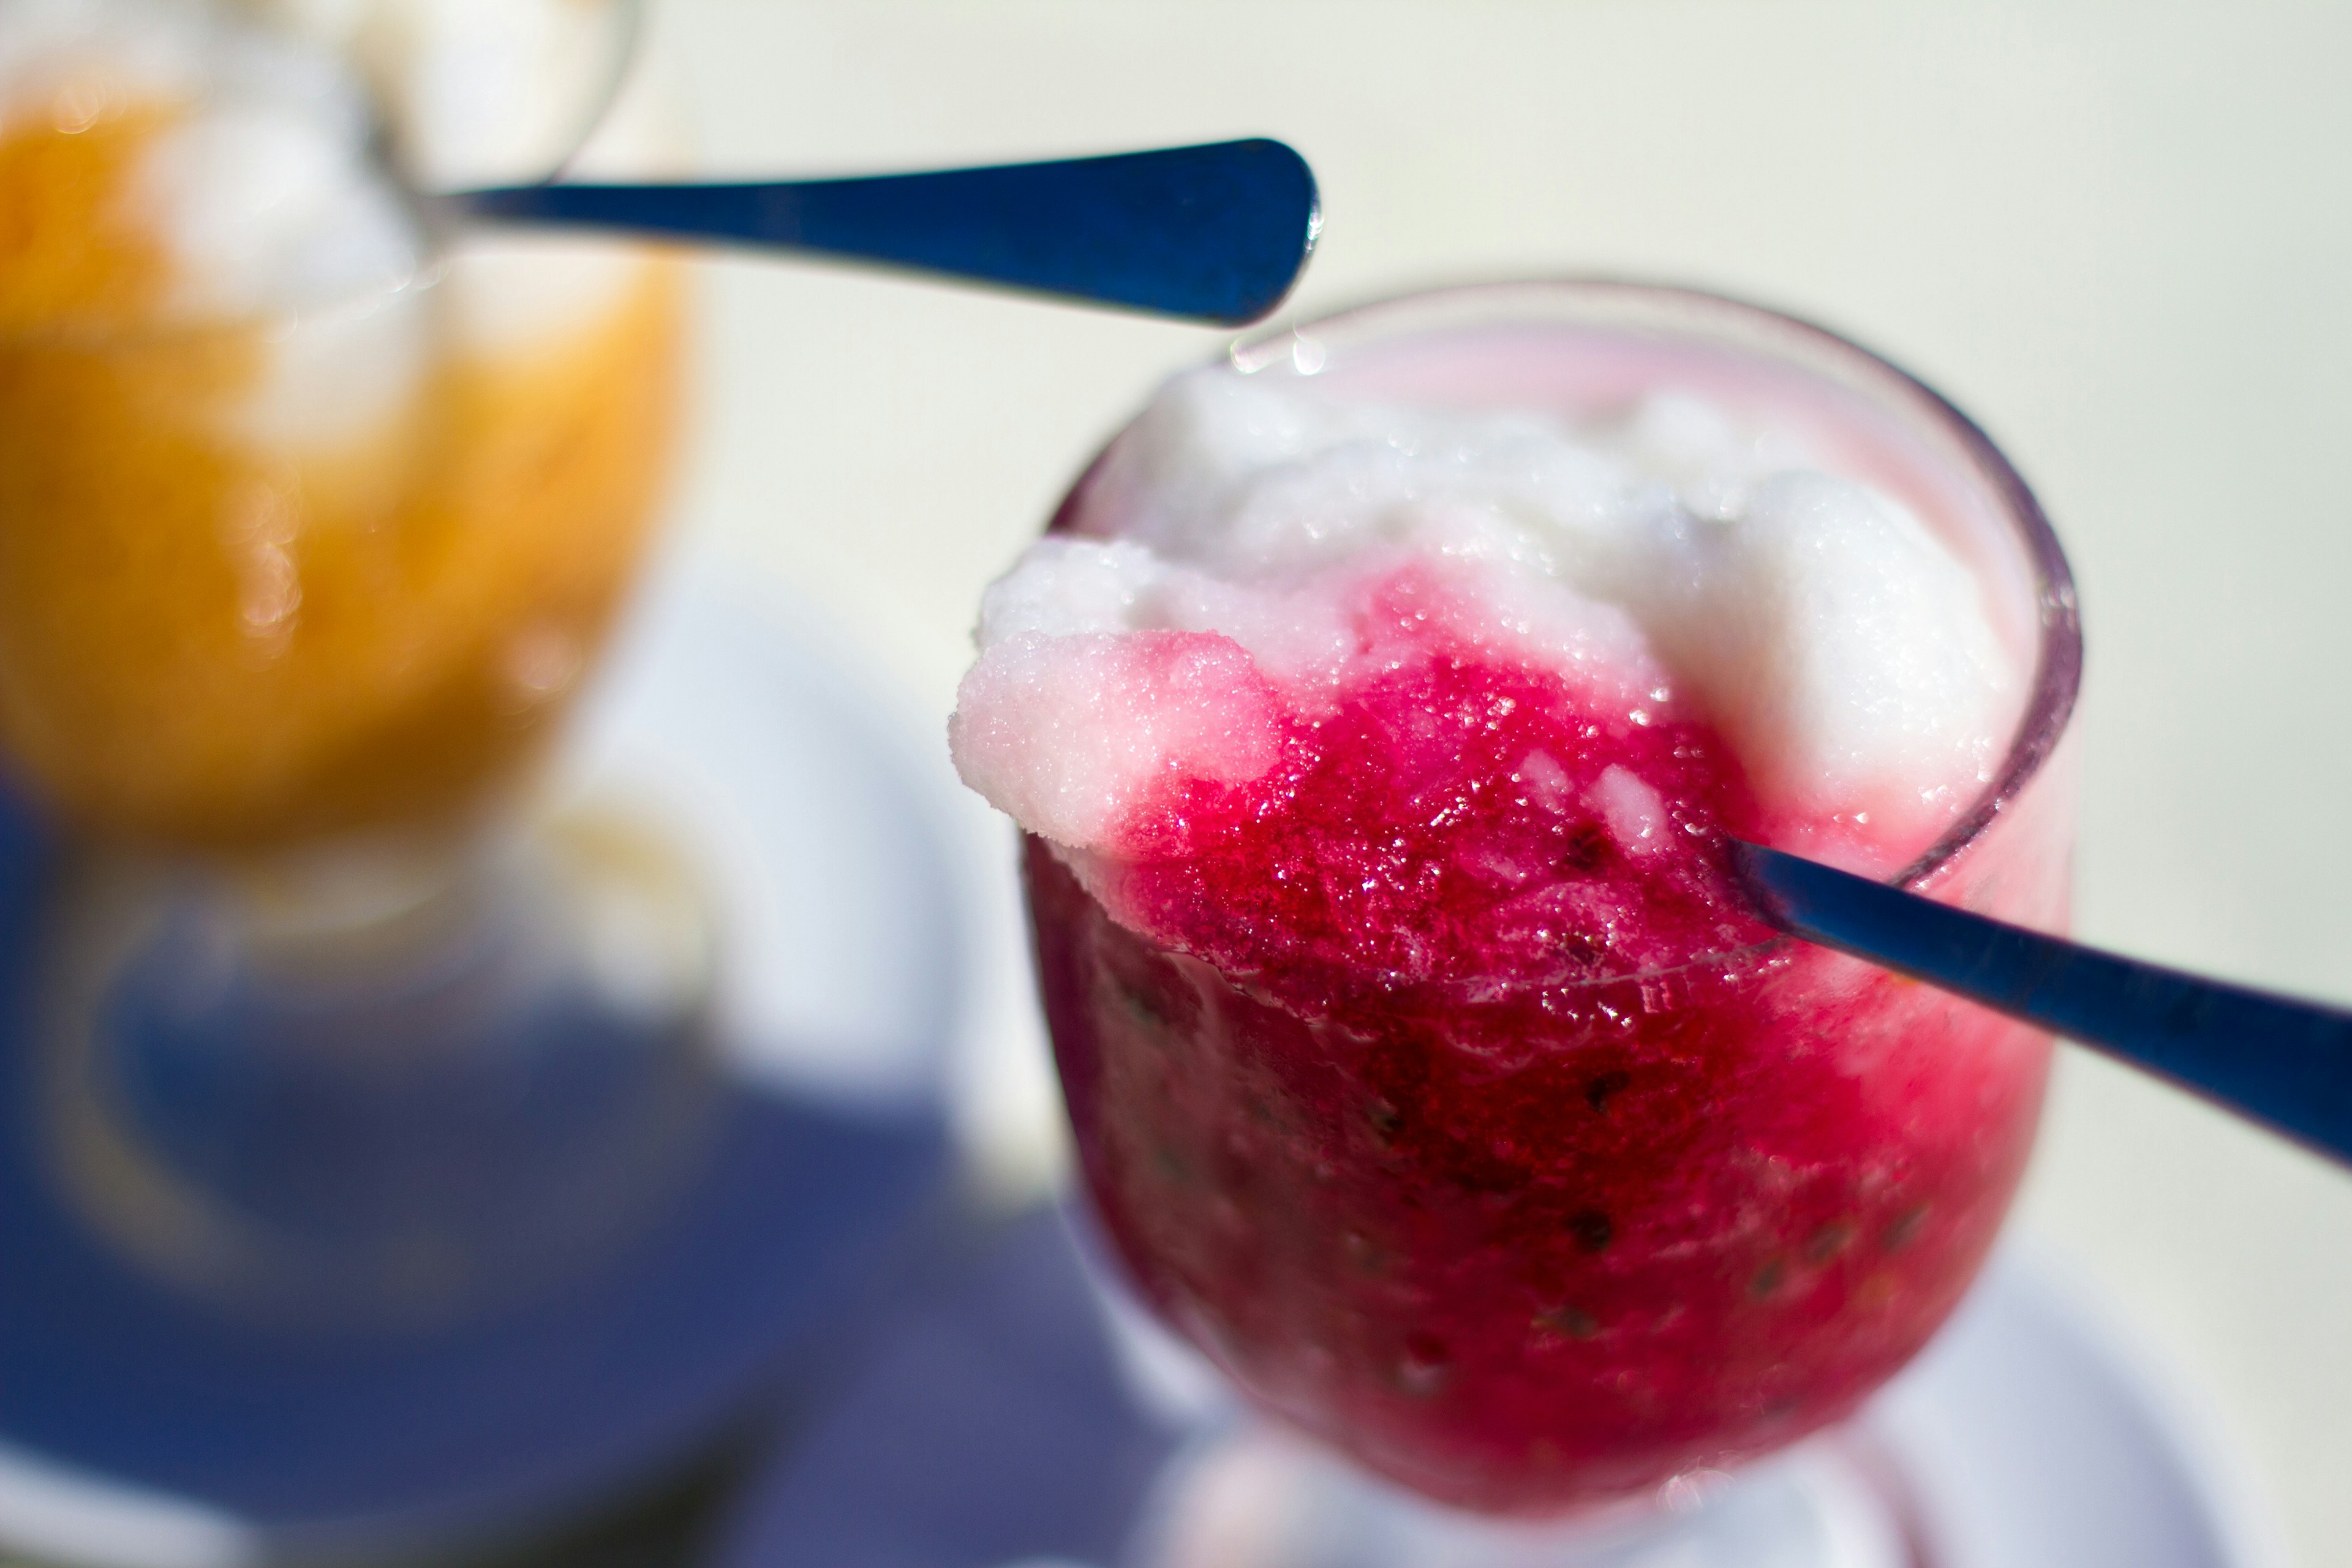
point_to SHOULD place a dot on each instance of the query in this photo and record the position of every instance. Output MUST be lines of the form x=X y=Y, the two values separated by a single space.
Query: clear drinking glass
x=291 y=602
x=1562 y=1250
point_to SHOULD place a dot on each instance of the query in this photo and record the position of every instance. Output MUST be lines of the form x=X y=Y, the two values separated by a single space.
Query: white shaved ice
x=1634 y=813
x=1838 y=644
x=262 y=189
x=269 y=191
x=1068 y=733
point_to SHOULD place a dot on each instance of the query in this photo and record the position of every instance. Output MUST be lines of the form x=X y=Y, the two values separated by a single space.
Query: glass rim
x=435 y=244
x=2056 y=679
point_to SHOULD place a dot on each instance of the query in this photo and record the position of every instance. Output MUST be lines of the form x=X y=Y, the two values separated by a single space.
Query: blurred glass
x=310 y=528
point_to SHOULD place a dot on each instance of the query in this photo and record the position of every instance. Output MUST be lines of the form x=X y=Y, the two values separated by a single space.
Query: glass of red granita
x=1377 y=706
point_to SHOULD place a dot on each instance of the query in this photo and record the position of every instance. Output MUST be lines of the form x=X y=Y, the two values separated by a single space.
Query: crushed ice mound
x=1252 y=547
x=257 y=180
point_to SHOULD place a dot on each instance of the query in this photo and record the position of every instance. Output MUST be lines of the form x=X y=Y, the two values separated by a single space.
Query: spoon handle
x=1216 y=233
x=2278 y=1061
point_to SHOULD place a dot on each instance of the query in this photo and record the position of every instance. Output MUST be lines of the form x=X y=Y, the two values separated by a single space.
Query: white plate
x=1006 y=1425
x=2034 y=1438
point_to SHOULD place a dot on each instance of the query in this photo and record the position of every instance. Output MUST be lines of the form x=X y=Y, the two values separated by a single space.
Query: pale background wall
x=2117 y=233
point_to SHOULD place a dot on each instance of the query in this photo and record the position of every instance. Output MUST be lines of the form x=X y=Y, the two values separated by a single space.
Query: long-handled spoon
x=2281 y=1062
x=1216 y=233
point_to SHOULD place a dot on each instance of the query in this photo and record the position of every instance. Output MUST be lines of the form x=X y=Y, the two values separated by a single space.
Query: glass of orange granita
x=310 y=521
